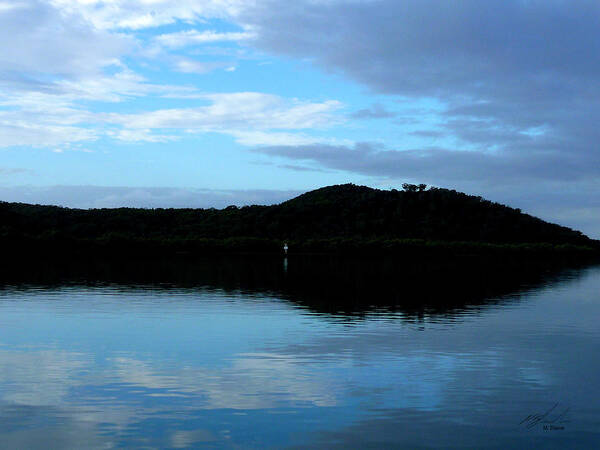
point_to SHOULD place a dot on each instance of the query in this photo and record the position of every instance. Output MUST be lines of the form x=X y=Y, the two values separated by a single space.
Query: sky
x=207 y=103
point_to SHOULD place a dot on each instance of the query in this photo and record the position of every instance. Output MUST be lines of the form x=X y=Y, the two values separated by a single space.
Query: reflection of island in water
x=343 y=286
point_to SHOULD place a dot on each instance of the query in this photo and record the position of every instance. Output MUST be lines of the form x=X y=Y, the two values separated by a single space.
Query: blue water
x=113 y=364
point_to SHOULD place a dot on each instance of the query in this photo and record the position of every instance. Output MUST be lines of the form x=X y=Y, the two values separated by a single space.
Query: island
x=344 y=219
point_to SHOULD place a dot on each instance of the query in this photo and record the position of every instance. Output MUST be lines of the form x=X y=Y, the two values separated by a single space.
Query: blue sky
x=208 y=103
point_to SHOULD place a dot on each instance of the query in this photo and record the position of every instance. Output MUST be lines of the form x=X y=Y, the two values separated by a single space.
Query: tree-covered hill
x=344 y=212
x=438 y=214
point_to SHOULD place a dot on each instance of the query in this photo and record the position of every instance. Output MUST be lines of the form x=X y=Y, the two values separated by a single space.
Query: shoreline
x=122 y=247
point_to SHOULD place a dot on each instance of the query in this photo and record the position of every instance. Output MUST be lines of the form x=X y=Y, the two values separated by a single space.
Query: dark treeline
x=336 y=218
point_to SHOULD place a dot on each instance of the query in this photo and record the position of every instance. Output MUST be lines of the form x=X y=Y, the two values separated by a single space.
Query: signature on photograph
x=553 y=418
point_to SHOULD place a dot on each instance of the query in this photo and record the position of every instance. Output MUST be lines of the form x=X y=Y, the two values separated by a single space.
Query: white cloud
x=186 y=65
x=39 y=40
x=66 y=93
x=138 y=14
x=139 y=135
x=4 y=171
x=251 y=117
x=5 y=6
x=59 y=55
x=42 y=135
x=259 y=138
x=118 y=87
x=54 y=119
x=195 y=37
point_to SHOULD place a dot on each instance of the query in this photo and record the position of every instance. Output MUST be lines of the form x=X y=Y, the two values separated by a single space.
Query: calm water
x=313 y=352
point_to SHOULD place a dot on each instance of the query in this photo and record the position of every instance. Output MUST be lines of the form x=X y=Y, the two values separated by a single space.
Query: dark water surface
x=307 y=352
